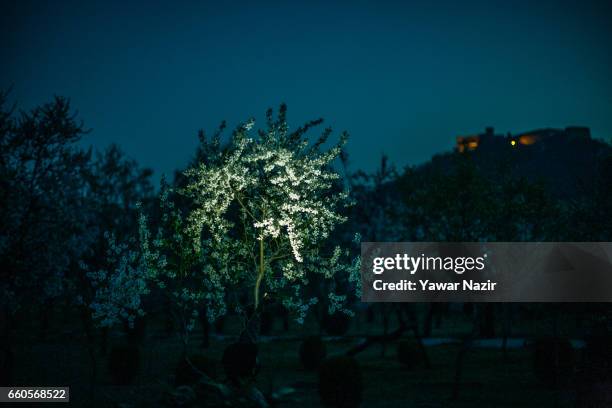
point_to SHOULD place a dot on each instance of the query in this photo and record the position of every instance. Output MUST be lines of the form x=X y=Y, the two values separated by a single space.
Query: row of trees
x=253 y=211
x=56 y=202
x=85 y=229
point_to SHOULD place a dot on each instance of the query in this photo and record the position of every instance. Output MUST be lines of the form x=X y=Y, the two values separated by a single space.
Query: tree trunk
x=91 y=351
x=6 y=350
x=487 y=320
x=465 y=347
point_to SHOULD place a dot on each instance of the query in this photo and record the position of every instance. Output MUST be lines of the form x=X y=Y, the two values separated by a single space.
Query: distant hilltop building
x=566 y=161
x=489 y=139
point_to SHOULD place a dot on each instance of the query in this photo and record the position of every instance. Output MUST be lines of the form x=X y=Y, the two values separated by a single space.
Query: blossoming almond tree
x=264 y=207
x=258 y=214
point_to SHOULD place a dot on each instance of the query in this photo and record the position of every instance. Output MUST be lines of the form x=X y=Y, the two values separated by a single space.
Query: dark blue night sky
x=402 y=79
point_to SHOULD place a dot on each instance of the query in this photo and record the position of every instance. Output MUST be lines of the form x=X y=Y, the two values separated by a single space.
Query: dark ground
x=491 y=378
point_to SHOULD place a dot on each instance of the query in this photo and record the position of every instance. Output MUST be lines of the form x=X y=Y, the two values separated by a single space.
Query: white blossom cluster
x=282 y=190
x=166 y=263
x=118 y=291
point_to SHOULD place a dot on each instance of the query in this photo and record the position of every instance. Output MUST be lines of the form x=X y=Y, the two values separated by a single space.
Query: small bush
x=6 y=365
x=240 y=361
x=594 y=377
x=336 y=324
x=312 y=352
x=185 y=374
x=598 y=356
x=219 y=324
x=266 y=322
x=136 y=333
x=553 y=361
x=340 y=382
x=594 y=395
x=408 y=353
x=124 y=364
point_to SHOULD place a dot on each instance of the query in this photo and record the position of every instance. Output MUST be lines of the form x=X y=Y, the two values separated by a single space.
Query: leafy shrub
x=408 y=353
x=312 y=352
x=124 y=363
x=340 y=382
x=240 y=361
x=185 y=374
x=553 y=360
x=336 y=324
